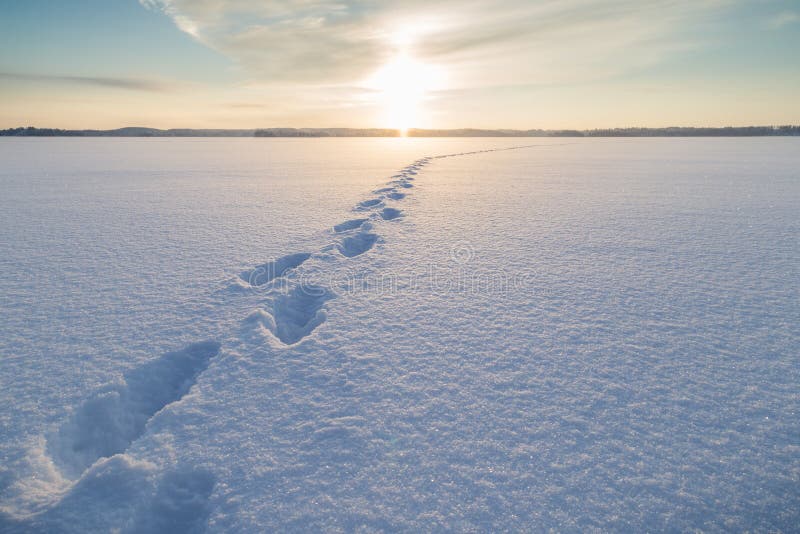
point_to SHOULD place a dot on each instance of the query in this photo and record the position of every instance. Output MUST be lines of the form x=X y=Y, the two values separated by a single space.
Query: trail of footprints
x=115 y=416
x=295 y=309
x=294 y=313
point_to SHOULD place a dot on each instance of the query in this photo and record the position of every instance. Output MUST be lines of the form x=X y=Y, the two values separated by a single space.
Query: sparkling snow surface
x=356 y=334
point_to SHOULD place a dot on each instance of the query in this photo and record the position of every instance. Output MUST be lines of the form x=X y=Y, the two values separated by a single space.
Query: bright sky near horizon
x=375 y=63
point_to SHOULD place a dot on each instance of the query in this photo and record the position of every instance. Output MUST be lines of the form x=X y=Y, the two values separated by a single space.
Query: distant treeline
x=737 y=131
x=133 y=131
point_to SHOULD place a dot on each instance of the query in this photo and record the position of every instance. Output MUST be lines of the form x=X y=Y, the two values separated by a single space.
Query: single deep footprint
x=263 y=274
x=349 y=225
x=297 y=313
x=114 y=417
x=371 y=203
x=358 y=244
x=390 y=213
x=396 y=196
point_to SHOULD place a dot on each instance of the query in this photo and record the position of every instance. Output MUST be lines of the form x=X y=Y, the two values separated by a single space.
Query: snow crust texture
x=581 y=336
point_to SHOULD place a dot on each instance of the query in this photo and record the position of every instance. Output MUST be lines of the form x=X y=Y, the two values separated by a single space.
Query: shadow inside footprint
x=371 y=203
x=264 y=274
x=390 y=213
x=297 y=313
x=357 y=244
x=349 y=225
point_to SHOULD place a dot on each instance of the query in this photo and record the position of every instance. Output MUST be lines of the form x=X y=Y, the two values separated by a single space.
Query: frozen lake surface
x=359 y=334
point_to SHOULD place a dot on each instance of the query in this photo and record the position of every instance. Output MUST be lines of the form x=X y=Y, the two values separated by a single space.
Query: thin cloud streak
x=785 y=18
x=130 y=84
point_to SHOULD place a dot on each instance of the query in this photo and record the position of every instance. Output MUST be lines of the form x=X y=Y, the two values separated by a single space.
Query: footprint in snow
x=263 y=274
x=356 y=245
x=371 y=203
x=294 y=315
x=349 y=225
x=389 y=214
x=115 y=416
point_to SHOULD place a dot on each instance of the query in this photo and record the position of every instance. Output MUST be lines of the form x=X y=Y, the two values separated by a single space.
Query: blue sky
x=445 y=64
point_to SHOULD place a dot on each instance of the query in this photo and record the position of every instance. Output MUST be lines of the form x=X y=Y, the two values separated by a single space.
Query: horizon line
x=289 y=131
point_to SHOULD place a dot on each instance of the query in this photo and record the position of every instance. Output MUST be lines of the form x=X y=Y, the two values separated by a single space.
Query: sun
x=403 y=85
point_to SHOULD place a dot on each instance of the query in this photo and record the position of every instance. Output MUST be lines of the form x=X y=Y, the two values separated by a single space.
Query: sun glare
x=403 y=85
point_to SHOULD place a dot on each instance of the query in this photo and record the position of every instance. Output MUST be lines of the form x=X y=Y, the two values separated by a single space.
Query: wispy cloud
x=505 y=42
x=784 y=18
x=117 y=83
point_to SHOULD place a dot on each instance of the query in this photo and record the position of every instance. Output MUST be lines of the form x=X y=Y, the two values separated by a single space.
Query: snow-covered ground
x=358 y=334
